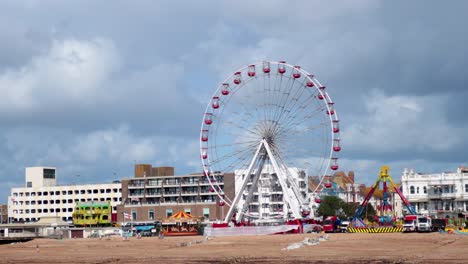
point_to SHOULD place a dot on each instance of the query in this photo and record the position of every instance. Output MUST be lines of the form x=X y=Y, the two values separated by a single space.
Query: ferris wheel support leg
x=287 y=193
x=235 y=202
x=252 y=188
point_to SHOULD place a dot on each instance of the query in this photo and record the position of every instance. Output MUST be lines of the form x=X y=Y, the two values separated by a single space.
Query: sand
x=339 y=248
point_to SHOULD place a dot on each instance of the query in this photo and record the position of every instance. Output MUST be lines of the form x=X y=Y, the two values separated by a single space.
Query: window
x=134 y=215
x=206 y=212
x=151 y=215
x=411 y=189
x=49 y=173
x=29 y=184
x=466 y=187
x=417 y=189
x=425 y=189
x=187 y=210
x=168 y=213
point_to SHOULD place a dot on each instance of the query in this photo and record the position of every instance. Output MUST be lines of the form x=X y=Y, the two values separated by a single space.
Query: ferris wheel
x=272 y=124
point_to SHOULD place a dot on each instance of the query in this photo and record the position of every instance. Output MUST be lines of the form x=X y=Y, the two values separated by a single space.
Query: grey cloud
x=172 y=55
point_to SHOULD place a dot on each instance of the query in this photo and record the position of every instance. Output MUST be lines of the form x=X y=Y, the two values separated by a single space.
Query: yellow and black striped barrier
x=375 y=229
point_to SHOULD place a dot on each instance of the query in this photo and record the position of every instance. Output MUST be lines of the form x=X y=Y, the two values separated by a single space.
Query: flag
x=127 y=216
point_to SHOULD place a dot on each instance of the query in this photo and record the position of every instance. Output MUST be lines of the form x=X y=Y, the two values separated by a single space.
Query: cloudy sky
x=92 y=87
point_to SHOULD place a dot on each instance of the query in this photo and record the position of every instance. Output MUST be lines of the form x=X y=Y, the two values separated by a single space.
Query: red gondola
x=237 y=77
x=266 y=67
x=281 y=67
x=225 y=89
x=215 y=102
x=251 y=72
x=296 y=73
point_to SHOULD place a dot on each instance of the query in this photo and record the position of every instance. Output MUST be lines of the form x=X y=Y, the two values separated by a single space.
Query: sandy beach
x=339 y=248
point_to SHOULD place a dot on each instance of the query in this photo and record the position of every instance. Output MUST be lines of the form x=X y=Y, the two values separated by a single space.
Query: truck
x=438 y=224
x=424 y=224
x=331 y=224
x=410 y=223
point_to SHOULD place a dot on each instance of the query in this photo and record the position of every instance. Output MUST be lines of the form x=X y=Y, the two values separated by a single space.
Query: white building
x=438 y=195
x=42 y=197
x=268 y=201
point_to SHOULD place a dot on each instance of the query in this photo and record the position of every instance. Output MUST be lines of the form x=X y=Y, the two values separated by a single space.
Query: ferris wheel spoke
x=283 y=97
x=293 y=123
x=301 y=110
x=235 y=150
x=294 y=94
x=240 y=159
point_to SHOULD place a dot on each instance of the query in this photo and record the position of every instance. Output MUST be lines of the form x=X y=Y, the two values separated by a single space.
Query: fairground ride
x=385 y=215
x=273 y=124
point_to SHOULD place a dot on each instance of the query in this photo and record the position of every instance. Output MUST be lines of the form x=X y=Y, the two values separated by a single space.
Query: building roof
x=93 y=203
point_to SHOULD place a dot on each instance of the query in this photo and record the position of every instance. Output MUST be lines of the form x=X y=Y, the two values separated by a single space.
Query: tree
x=368 y=212
x=332 y=205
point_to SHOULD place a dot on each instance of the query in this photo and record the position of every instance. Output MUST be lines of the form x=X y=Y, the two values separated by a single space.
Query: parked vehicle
x=424 y=224
x=410 y=223
x=331 y=224
x=344 y=226
x=438 y=224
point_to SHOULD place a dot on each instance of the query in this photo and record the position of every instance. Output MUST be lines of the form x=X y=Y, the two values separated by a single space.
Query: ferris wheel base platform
x=375 y=229
x=249 y=230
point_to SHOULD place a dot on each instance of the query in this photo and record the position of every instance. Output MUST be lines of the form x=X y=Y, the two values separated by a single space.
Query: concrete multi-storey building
x=3 y=213
x=42 y=197
x=268 y=200
x=442 y=195
x=156 y=193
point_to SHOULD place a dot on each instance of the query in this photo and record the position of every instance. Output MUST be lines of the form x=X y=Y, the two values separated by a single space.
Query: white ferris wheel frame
x=207 y=170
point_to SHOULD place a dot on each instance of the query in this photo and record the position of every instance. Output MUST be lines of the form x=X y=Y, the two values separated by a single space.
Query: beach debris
x=323 y=238
x=306 y=242
x=185 y=244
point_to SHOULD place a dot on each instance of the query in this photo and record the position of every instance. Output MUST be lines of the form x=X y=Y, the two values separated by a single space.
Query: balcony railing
x=442 y=196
